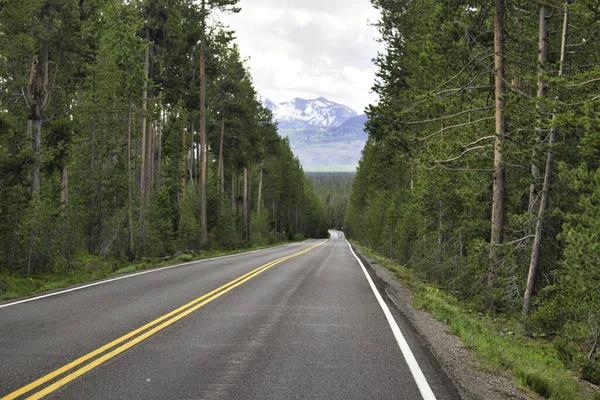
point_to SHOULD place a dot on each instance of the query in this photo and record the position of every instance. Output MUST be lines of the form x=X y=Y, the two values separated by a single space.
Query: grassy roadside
x=87 y=268
x=533 y=364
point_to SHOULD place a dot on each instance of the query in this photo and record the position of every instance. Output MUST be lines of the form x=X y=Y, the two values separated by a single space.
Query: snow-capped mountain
x=318 y=113
x=323 y=134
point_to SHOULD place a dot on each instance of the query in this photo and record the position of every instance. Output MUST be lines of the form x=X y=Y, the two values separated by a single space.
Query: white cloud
x=309 y=48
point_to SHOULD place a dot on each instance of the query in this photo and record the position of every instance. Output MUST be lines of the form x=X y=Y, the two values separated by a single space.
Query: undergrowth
x=87 y=268
x=534 y=364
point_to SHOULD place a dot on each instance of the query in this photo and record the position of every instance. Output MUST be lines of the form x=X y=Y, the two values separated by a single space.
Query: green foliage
x=260 y=229
x=590 y=371
x=334 y=190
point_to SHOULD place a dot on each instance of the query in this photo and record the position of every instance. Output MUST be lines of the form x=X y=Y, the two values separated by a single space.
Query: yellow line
x=191 y=307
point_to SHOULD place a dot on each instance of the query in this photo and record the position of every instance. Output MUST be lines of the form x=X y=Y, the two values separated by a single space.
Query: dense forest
x=482 y=168
x=334 y=189
x=132 y=129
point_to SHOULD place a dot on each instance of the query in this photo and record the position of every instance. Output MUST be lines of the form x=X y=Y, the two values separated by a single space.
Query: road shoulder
x=458 y=362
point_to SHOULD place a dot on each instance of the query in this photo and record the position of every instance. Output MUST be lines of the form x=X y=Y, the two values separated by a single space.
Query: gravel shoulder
x=458 y=362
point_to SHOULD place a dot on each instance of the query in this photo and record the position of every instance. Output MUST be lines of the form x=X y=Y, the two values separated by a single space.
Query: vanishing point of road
x=301 y=321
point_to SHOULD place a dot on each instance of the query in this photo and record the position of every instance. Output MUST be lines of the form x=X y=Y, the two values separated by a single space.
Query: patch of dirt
x=457 y=361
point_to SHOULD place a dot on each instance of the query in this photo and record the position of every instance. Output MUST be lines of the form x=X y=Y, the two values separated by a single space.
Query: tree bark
x=131 y=252
x=100 y=188
x=221 y=172
x=64 y=189
x=144 y=127
x=541 y=91
x=149 y=161
x=182 y=166
x=246 y=203
x=537 y=242
x=158 y=169
x=204 y=222
x=233 y=193
x=497 y=222
x=260 y=182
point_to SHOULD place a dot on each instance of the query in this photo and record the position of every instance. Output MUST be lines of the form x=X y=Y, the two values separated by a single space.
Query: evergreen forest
x=131 y=130
x=482 y=169
x=334 y=189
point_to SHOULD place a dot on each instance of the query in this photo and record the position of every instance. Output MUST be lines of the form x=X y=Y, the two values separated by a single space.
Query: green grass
x=87 y=268
x=533 y=364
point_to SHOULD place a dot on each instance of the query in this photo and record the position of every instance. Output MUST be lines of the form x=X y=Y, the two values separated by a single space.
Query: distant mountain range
x=323 y=134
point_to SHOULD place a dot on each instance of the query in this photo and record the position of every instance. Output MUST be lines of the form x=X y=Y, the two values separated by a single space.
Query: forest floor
x=484 y=359
x=88 y=268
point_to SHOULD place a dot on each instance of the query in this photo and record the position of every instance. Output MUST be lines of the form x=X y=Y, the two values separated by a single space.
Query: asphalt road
x=308 y=326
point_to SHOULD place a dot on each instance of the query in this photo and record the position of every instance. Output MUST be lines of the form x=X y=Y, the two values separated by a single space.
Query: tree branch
x=456 y=126
x=462 y=154
x=583 y=83
x=449 y=116
x=479 y=140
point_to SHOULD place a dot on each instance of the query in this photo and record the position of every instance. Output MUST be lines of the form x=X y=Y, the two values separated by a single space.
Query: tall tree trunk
x=221 y=172
x=39 y=97
x=144 y=127
x=131 y=252
x=182 y=166
x=233 y=193
x=148 y=166
x=537 y=242
x=64 y=189
x=91 y=244
x=100 y=188
x=260 y=181
x=158 y=169
x=203 y=158
x=246 y=203
x=541 y=91
x=497 y=231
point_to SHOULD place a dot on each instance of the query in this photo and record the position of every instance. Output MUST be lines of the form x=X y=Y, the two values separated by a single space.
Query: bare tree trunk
x=221 y=172
x=91 y=244
x=537 y=243
x=38 y=96
x=64 y=189
x=182 y=167
x=203 y=164
x=541 y=91
x=497 y=231
x=158 y=169
x=100 y=188
x=149 y=161
x=233 y=193
x=39 y=101
x=144 y=127
x=35 y=124
x=131 y=253
x=246 y=203
x=258 y=203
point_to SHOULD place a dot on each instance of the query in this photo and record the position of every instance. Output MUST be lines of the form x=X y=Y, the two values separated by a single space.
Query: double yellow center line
x=137 y=336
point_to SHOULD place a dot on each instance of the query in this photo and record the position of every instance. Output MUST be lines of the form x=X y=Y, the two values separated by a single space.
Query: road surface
x=300 y=321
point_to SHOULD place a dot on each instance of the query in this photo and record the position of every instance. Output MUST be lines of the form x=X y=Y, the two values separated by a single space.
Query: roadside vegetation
x=89 y=268
x=499 y=342
x=481 y=175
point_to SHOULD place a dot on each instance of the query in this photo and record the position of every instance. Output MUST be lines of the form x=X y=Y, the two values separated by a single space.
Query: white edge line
x=14 y=303
x=417 y=374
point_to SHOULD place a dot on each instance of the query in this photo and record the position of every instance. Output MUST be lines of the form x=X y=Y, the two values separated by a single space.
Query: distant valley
x=326 y=136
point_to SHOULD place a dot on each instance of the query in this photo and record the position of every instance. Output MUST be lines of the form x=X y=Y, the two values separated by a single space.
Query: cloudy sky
x=309 y=48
